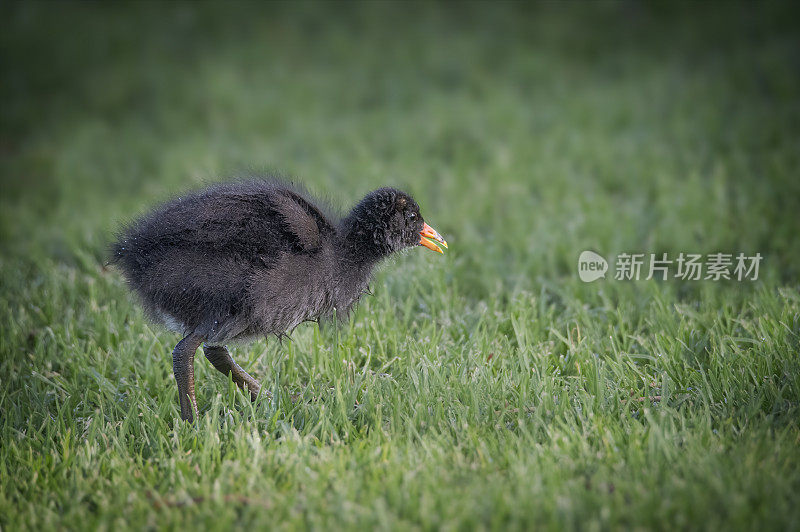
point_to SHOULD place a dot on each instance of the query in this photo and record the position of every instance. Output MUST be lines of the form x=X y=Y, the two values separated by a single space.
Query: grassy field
x=489 y=388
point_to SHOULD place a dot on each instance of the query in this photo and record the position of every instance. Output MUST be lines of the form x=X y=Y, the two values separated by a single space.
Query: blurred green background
x=679 y=120
x=528 y=133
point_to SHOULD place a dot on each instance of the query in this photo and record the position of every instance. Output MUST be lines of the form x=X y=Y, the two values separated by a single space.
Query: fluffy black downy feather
x=252 y=258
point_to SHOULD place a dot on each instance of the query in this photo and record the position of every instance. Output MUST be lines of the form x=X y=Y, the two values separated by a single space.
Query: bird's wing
x=302 y=219
x=296 y=220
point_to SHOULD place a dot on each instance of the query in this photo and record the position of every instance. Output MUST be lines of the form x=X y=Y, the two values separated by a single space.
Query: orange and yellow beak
x=429 y=232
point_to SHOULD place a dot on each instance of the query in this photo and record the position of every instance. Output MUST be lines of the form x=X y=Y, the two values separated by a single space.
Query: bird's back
x=193 y=260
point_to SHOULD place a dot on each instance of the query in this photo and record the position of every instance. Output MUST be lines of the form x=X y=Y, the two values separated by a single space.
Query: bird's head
x=388 y=220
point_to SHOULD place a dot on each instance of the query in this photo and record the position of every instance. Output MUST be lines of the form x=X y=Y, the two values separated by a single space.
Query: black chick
x=242 y=260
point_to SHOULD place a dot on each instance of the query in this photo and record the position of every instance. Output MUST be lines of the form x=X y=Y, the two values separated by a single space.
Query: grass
x=489 y=388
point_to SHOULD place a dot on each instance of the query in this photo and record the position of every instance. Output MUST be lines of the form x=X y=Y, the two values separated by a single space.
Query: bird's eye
x=412 y=215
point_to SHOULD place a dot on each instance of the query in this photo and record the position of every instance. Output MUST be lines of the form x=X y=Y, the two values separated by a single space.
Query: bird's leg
x=183 y=367
x=221 y=359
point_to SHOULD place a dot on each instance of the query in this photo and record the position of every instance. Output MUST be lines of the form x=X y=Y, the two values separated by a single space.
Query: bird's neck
x=355 y=265
x=356 y=245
